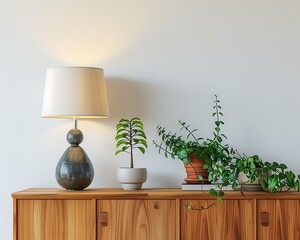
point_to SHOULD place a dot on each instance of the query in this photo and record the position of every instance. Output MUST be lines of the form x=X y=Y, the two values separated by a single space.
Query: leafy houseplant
x=223 y=162
x=272 y=177
x=213 y=152
x=130 y=135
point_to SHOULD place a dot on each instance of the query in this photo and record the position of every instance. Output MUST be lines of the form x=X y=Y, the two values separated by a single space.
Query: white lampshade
x=75 y=92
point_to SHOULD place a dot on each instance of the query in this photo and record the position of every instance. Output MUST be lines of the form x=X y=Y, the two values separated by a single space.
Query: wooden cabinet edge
x=113 y=193
x=15 y=219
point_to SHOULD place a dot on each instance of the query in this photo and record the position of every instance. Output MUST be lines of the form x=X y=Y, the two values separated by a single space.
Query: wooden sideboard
x=153 y=214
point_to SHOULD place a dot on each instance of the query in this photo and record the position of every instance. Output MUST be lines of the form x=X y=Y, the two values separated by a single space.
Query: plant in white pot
x=130 y=136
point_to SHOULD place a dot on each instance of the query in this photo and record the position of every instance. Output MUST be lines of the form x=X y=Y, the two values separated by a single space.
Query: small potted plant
x=130 y=136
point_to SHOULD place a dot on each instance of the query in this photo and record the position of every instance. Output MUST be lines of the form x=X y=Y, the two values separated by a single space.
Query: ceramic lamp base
x=74 y=170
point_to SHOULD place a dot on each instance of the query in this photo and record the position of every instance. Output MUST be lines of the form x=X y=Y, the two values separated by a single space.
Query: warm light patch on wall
x=85 y=33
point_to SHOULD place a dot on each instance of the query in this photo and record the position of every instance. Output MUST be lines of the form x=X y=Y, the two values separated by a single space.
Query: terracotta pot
x=195 y=168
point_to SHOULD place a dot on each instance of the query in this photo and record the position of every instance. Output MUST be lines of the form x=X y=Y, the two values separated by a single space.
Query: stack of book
x=204 y=187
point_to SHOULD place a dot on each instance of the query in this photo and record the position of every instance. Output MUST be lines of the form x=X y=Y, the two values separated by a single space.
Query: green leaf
x=186 y=160
x=283 y=166
x=122 y=126
x=252 y=165
x=182 y=154
x=200 y=177
x=118 y=151
x=213 y=192
x=135 y=119
x=297 y=185
x=272 y=182
x=219 y=200
x=224 y=136
x=232 y=177
x=221 y=193
x=142 y=141
x=205 y=166
x=120 y=142
x=138 y=131
x=124 y=148
x=141 y=135
x=289 y=175
x=121 y=130
x=141 y=149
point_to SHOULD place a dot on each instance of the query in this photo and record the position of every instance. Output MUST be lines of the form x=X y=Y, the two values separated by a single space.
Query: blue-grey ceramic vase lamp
x=75 y=92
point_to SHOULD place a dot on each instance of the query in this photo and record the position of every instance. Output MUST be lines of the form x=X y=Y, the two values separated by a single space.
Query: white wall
x=163 y=61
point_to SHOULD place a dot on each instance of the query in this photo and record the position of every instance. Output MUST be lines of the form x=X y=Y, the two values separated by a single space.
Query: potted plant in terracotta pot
x=202 y=158
x=130 y=136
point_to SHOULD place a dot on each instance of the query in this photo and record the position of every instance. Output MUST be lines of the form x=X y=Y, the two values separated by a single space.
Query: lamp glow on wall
x=75 y=92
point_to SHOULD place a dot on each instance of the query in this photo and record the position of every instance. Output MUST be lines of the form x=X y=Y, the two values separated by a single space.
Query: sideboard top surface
x=148 y=193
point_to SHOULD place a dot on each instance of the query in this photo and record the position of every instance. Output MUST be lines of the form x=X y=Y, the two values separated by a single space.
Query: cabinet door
x=278 y=219
x=136 y=220
x=56 y=219
x=230 y=219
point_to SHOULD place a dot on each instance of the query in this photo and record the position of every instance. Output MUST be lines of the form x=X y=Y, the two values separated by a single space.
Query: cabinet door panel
x=137 y=220
x=56 y=219
x=278 y=219
x=231 y=219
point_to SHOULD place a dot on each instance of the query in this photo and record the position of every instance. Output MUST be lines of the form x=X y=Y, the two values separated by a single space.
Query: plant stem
x=195 y=170
x=161 y=148
x=131 y=144
x=199 y=208
x=217 y=109
x=190 y=132
x=217 y=114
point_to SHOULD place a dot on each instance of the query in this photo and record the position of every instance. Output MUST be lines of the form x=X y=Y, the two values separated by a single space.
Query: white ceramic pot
x=248 y=185
x=131 y=178
x=243 y=179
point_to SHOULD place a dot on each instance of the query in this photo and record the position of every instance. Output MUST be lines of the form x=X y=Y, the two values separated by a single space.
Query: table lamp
x=75 y=92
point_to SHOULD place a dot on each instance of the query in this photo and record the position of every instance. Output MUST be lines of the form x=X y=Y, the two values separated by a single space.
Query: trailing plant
x=281 y=179
x=130 y=135
x=224 y=164
x=273 y=177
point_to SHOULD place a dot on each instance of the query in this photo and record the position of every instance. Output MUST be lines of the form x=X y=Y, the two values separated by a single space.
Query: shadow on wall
x=149 y=100
x=126 y=98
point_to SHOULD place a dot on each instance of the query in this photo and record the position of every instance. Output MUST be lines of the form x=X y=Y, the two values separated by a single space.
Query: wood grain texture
x=15 y=219
x=284 y=220
x=138 y=220
x=57 y=214
x=155 y=193
x=231 y=219
x=56 y=220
